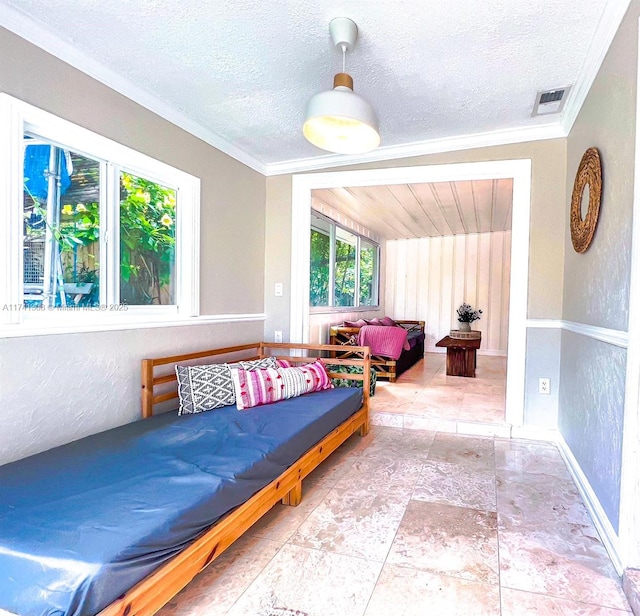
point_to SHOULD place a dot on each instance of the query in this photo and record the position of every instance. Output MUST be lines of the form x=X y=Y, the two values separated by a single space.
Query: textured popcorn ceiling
x=245 y=69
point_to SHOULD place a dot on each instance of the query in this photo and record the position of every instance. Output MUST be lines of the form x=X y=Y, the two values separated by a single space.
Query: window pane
x=345 y=268
x=61 y=210
x=147 y=242
x=368 y=274
x=319 y=269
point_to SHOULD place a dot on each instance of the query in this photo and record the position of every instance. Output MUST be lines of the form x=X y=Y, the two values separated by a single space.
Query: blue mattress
x=82 y=523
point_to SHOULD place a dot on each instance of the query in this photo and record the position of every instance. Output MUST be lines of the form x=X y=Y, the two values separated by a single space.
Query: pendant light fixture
x=339 y=120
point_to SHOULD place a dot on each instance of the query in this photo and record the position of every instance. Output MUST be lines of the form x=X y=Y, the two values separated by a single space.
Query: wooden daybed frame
x=150 y=594
x=385 y=368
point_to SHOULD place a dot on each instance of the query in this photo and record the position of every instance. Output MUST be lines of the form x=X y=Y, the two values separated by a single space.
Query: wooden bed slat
x=176 y=359
x=164 y=397
x=165 y=378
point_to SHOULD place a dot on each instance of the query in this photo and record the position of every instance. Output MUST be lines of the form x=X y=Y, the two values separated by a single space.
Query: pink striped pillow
x=255 y=387
x=306 y=378
x=271 y=385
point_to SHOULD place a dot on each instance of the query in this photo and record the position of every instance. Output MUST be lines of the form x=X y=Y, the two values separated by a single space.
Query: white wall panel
x=411 y=278
x=433 y=305
x=400 y=295
x=429 y=278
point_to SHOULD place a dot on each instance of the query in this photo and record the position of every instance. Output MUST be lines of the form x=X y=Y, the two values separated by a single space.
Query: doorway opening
x=518 y=172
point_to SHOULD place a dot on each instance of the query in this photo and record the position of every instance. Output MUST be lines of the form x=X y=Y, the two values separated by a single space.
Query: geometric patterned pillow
x=256 y=364
x=203 y=388
x=208 y=387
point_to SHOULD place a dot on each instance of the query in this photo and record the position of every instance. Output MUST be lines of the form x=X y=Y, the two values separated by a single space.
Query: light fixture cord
x=344 y=58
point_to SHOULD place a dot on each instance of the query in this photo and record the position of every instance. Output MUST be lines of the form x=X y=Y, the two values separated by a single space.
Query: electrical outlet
x=544 y=386
x=278 y=289
x=277 y=336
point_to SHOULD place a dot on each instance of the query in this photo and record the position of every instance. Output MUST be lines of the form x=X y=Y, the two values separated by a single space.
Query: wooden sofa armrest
x=343 y=335
x=411 y=325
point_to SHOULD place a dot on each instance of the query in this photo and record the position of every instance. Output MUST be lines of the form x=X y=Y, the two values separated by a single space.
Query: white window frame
x=18 y=117
x=331 y=307
x=376 y=272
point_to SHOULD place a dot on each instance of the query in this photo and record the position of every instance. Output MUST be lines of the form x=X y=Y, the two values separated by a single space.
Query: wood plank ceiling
x=403 y=211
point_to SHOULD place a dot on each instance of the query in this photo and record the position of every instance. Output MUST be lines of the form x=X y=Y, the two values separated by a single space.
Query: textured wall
x=429 y=278
x=596 y=288
x=277 y=257
x=56 y=389
x=596 y=283
x=590 y=417
x=542 y=361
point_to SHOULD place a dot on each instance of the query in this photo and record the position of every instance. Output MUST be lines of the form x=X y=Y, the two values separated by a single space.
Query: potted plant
x=83 y=281
x=466 y=316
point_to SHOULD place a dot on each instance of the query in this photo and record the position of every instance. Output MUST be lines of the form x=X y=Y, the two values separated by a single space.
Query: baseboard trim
x=535 y=433
x=603 y=526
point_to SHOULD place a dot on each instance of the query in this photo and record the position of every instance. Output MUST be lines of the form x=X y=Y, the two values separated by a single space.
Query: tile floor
x=424 y=394
x=419 y=523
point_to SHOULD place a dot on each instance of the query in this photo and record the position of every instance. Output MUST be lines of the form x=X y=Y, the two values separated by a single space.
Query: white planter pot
x=78 y=288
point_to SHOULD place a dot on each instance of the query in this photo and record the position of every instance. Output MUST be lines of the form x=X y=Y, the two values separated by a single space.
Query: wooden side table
x=461 y=355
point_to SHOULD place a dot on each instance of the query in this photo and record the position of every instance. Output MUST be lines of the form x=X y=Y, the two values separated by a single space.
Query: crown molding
x=606 y=30
x=422 y=148
x=17 y=22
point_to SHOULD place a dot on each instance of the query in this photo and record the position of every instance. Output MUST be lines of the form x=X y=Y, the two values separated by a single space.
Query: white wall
x=428 y=278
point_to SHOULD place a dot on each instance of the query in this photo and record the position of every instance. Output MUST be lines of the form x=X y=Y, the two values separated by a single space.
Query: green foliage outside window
x=345 y=276
x=147 y=235
x=319 y=281
x=367 y=274
x=345 y=285
x=147 y=241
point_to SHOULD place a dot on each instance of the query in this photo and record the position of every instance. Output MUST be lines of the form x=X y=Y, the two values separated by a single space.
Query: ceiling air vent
x=550 y=101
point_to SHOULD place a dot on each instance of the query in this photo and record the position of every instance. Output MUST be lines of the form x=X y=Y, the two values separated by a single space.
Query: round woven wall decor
x=589 y=174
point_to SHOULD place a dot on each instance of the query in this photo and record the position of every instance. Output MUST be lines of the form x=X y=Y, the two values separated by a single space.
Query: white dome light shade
x=341 y=121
